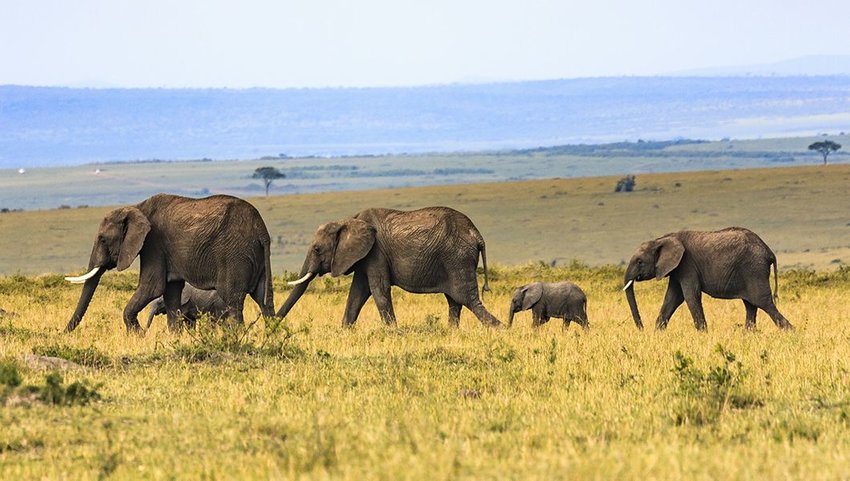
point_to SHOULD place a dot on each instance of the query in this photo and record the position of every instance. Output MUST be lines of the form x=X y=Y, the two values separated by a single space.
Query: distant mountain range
x=813 y=65
x=65 y=126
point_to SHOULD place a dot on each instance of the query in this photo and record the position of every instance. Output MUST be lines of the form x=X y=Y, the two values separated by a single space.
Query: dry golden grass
x=424 y=401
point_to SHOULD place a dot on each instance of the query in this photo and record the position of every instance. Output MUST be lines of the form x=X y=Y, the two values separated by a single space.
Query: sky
x=362 y=43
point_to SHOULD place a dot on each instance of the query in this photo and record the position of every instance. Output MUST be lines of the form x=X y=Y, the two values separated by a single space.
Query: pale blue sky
x=314 y=43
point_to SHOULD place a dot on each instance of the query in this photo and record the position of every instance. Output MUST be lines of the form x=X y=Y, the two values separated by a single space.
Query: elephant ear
x=532 y=295
x=670 y=252
x=136 y=228
x=354 y=240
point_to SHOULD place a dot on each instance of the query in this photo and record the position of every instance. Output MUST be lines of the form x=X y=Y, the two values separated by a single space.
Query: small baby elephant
x=550 y=299
x=193 y=302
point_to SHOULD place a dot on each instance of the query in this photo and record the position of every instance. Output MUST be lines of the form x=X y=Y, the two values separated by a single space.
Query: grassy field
x=801 y=212
x=126 y=183
x=306 y=399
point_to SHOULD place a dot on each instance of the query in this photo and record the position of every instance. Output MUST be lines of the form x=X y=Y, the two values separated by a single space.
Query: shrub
x=703 y=397
x=626 y=184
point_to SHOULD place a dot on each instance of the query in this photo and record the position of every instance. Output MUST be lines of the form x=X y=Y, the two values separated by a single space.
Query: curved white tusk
x=628 y=284
x=299 y=281
x=83 y=278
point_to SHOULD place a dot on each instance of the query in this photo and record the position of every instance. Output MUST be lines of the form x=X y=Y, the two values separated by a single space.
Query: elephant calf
x=193 y=302
x=732 y=263
x=564 y=300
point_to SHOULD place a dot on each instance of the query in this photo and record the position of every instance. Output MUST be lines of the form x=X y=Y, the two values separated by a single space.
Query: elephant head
x=336 y=247
x=119 y=239
x=653 y=259
x=524 y=298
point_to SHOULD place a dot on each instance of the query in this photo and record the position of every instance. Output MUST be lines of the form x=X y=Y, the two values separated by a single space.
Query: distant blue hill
x=64 y=126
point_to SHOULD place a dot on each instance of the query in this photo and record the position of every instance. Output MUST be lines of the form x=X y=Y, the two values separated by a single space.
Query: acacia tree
x=825 y=147
x=268 y=174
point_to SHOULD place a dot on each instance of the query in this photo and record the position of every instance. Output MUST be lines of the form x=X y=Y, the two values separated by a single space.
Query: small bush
x=625 y=184
x=705 y=396
x=9 y=375
x=214 y=341
x=53 y=392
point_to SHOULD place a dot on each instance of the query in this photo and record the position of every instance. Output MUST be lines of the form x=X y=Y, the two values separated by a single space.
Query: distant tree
x=268 y=174
x=825 y=147
x=626 y=184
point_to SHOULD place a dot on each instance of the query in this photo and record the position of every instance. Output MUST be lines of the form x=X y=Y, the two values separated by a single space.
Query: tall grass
x=305 y=398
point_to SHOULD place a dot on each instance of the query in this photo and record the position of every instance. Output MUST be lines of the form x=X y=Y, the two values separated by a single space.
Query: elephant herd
x=206 y=255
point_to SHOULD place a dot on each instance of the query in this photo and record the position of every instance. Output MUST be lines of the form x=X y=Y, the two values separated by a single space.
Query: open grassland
x=801 y=212
x=125 y=183
x=308 y=399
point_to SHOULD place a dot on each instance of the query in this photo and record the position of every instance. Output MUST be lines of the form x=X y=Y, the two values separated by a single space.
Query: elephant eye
x=316 y=249
x=640 y=262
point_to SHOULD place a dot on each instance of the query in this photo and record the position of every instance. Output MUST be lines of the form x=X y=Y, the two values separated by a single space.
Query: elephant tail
x=268 y=298
x=483 y=250
x=775 y=281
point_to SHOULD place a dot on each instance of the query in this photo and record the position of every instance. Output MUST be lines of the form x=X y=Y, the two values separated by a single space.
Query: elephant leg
x=234 y=299
x=259 y=296
x=539 y=319
x=482 y=313
x=382 y=293
x=752 y=310
x=454 y=311
x=582 y=320
x=767 y=305
x=693 y=297
x=141 y=298
x=672 y=300
x=173 y=291
x=358 y=294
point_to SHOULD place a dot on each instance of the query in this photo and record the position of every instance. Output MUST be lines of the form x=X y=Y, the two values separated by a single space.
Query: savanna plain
x=303 y=398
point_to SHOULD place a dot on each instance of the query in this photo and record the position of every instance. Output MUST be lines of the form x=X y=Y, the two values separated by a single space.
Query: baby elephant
x=193 y=302
x=550 y=299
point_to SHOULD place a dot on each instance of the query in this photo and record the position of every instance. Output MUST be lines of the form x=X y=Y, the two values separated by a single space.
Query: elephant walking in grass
x=732 y=263
x=218 y=242
x=193 y=303
x=550 y=299
x=430 y=250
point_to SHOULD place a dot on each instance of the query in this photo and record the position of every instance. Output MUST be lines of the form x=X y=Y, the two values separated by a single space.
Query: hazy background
x=255 y=43
x=95 y=81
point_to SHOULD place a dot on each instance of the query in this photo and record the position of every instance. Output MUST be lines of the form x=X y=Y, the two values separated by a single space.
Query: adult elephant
x=218 y=242
x=732 y=263
x=430 y=250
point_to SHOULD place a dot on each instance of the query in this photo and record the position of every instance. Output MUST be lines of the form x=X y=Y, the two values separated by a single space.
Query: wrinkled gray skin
x=564 y=300
x=218 y=242
x=430 y=250
x=193 y=302
x=732 y=263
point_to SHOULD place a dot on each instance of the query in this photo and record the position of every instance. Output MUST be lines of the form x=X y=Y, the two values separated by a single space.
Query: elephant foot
x=134 y=329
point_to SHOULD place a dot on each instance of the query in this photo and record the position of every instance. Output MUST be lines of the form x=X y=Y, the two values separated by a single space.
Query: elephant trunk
x=630 y=296
x=156 y=307
x=511 y=318
x=306 y=276
x=85 y=298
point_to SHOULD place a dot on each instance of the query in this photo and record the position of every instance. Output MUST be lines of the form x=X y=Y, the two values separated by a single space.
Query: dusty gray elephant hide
x=563 y=300
x=193 y=303
x=430 y=250
x=732 y=263
x=218 y=242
